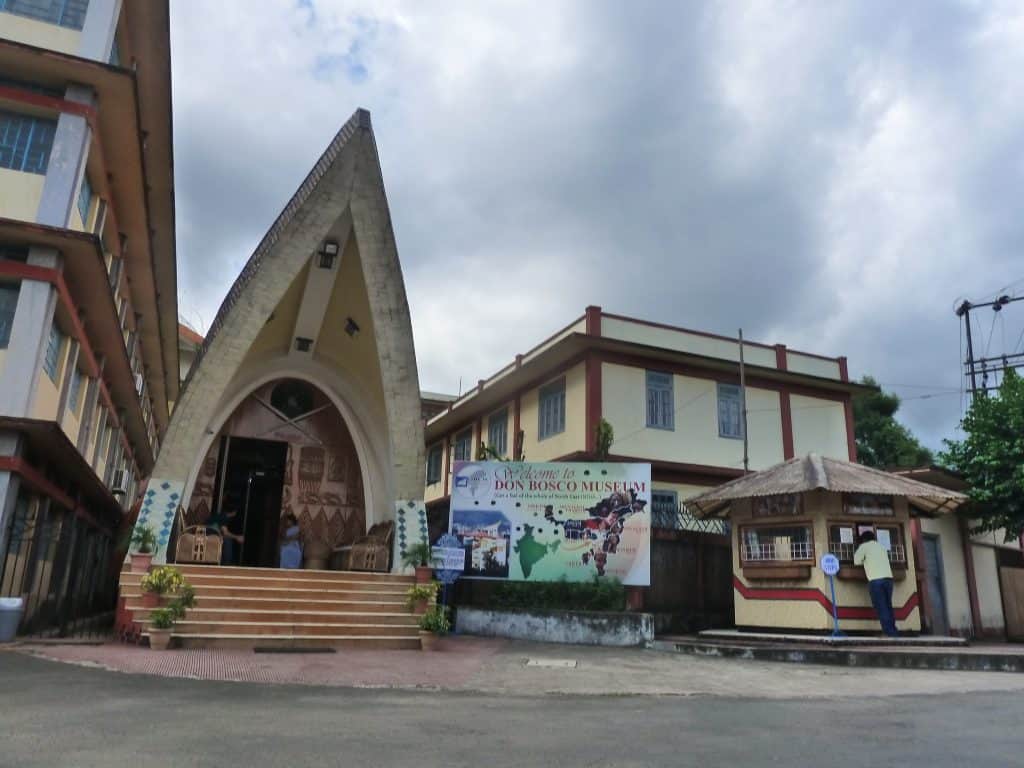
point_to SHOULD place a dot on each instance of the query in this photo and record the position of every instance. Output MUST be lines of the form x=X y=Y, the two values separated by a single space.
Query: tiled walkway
x=450 y=667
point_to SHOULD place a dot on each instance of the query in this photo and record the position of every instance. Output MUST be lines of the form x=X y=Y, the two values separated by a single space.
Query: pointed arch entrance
x=285 y=449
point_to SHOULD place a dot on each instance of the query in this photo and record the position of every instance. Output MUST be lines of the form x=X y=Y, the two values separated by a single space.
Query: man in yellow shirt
x=875 y=560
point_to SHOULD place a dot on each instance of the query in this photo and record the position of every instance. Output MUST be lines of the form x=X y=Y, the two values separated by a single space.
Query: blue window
x=115 y=54
x=8 y=303
x=66 y=13
x=85 y=200
x=660 y=408
x=51 y=362
x=75 y=389
x=551 y=409
x=434 y=456
x=497 y=432
x=25 y=142
x=730 y=411
x=464 y=446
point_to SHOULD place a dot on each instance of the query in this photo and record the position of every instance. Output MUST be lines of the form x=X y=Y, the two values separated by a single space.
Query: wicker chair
x=372 y=552
x=196 y=544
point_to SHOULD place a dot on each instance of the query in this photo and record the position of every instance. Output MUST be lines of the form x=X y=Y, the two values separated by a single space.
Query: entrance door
x=936 y=584
x=252 y=485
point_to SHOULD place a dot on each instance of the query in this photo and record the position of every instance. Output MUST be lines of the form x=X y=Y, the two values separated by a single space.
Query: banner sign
x=544 y=522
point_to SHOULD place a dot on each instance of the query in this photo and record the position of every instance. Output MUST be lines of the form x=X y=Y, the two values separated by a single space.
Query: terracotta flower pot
x=141 y=561
x=428 y=641
x=159 y=639
x=150 y=600
x=424 y=574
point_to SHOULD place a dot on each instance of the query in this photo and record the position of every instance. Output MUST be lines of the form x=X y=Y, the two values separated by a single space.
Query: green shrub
x=418 y=592
x=597 y=595
x=162 y=618
x=436 y=620
x=163 y=580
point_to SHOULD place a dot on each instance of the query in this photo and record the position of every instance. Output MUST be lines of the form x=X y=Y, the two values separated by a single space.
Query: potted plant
x=161 y=621
x=143 y=543
x=419 y=596
x=421 y=557
x=162 y=581
x=434 y=624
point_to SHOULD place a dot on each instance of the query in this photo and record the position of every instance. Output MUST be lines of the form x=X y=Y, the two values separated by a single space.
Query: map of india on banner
x=542 y=522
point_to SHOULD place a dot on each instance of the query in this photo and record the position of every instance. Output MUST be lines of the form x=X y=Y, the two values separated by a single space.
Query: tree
x=881 y=440
x=991 y=458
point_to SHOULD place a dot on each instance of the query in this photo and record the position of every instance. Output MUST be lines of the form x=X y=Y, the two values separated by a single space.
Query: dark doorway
x=936 y=585
x=252 y=485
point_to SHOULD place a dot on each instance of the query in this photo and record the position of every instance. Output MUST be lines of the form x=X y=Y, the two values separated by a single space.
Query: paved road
x=55 y=714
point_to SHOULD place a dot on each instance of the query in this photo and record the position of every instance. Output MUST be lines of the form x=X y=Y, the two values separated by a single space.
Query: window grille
x=497 y=432
x=25 y=142
x=8 y=304
x=730 y=411
x=65 y=13
x=434 y=465
x=660 y=408
x=551 y=409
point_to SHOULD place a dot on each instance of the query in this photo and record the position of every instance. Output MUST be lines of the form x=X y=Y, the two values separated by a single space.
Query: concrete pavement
x=65 y=715
x=499 y=667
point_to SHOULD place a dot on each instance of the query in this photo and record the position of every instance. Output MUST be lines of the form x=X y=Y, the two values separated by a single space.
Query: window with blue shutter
x=25 y=142
x=464 y=446
x=65 y=13
x=434 y=457
x=551 y=409
x=497 y=432
x=85 y=200
x=730 y=411
x=660 y=406
x=51 y=362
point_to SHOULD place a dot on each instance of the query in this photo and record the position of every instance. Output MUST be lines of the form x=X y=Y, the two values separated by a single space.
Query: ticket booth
x=785 y=518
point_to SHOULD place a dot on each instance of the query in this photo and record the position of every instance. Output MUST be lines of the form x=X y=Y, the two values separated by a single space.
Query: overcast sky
x=831 y=176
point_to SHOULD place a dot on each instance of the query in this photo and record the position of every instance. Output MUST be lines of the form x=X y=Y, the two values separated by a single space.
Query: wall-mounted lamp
x=351 y=327
x=328 y=253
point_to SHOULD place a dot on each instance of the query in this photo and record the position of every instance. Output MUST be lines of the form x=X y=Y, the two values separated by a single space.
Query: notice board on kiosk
x=524 y=521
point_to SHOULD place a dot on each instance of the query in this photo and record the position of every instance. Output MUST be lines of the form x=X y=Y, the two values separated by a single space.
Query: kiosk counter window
x=777 y=544
x=844 y=538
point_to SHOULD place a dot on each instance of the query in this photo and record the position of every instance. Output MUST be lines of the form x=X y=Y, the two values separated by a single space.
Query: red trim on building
x=38 y=482
x=816 y=595
x=844 y=372
x=780 y=357
x=42 y=101
x=851 y=437
x=593 y=322
x=593 y=402
x=517 y=446
x=786 y=414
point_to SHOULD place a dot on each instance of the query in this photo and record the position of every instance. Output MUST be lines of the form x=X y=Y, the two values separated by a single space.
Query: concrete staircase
x=286 y=609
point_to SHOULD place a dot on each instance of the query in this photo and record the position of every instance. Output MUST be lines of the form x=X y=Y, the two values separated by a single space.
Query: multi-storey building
x=672 y=397
x=88 y=304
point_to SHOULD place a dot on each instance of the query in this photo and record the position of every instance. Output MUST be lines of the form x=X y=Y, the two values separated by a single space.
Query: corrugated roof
x=814 y=472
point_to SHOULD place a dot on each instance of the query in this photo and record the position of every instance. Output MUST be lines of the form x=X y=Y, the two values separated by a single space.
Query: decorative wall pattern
x=322 y=483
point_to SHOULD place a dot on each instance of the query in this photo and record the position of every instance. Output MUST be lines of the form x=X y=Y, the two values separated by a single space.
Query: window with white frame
x=776 y=544
x=551 y=409
x=434 y=457
x=65 y=13
x=8 y=304
x=660 y=406
x=85 y=200
x=464 y=446
x=730 y=411
x=25 y=141
x=75 y=389
x=497 y=432
x=54 y=344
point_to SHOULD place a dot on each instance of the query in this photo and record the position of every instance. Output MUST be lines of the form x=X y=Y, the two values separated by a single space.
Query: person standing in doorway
x=875 y=560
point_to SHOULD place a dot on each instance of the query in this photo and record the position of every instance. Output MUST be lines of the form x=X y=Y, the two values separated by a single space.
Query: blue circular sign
x=830 y=564
x=448 y=550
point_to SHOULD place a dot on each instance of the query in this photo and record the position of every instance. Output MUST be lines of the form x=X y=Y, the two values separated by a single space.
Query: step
x=238 y=570
x=324 y=629
x=133 y=602
x=286 y=617
x=287 y=641
x=132 y=581
x=284 y=593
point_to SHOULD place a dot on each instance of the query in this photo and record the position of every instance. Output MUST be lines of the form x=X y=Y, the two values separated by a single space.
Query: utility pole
x=1011 y=361
x=743 y=407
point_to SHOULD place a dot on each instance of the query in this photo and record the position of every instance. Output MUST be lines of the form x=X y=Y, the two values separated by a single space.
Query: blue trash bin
x=10 y=617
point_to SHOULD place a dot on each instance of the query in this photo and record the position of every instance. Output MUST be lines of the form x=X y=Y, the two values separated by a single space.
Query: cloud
x=829 y=176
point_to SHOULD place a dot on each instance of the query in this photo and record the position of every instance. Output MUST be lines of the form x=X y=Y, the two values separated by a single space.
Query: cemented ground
x=57 y=714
